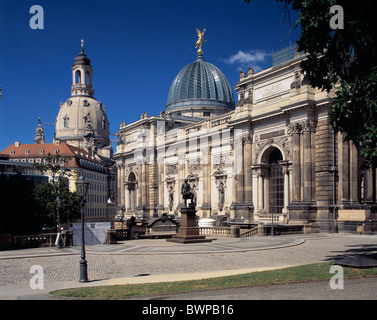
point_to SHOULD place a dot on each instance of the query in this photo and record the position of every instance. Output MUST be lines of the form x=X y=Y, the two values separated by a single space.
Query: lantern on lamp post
x=82 y=187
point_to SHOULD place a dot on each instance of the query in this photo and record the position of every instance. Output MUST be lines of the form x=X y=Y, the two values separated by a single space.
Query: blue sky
x=136 y=49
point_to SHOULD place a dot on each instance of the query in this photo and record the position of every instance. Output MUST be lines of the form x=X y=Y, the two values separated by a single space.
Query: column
x=161 y=185
x=307 y=160
x=260 y=191
x=132 y=199
x=127 y=197
x=181 y=172
x=286 y=189
x=119 y=179
x=313 y=158
x=206 y=169
x=295 y=130
x=255 y=187
x=354 y=177
x=122 y=191
x=145 y=173
x=368 y=174
x=139 y=186
x=238 y=160
x=153 y=181
x=343 y=167
x=248 y=187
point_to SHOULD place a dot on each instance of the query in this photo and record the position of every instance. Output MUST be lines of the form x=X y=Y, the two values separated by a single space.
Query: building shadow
x=358 y=256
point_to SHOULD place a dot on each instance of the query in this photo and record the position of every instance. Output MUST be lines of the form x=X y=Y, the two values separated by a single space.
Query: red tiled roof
x=35 y=151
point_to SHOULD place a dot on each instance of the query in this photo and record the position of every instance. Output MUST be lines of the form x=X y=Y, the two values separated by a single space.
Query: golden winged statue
x=200 y=40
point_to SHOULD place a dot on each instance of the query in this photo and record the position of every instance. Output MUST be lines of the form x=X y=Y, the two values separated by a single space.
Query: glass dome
x=200 y=84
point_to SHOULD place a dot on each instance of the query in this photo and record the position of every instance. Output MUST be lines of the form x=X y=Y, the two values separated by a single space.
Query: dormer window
x=27 y=151
x=41 y=151
x=66 y=121
x=12 y=152
x=103 y=123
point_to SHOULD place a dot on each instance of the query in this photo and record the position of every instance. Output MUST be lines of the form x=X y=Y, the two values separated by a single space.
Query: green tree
x=343 y=60
x=46 y=194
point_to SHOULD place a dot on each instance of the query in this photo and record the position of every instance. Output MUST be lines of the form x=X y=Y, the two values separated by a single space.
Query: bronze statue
x=186 y=193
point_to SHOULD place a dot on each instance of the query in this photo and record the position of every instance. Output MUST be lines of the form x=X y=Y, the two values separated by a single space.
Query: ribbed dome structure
x=82 y=59
x=82 y=114
x=200 y=84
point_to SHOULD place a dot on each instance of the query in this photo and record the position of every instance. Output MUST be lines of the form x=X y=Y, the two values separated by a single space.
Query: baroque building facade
x=270 y=156
x=82 y=134
x=82 y=123
x=79 y=162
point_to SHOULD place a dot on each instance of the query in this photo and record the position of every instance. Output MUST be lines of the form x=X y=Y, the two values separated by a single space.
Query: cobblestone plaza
x=139 y=261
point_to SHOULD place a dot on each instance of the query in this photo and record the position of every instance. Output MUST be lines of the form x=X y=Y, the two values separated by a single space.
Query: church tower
x=82 y=120
x=82 y=75
x=39 y=135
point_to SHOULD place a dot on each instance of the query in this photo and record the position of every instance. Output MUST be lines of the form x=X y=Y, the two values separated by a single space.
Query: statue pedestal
x=188 y=232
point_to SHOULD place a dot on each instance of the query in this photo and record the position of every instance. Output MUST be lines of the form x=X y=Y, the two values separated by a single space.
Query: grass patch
x=311 y=272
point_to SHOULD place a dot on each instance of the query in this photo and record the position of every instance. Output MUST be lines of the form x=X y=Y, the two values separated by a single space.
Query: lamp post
x=58 y=203
x=82 y=190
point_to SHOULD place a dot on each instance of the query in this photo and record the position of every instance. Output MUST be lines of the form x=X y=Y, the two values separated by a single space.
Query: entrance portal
x=275 y=182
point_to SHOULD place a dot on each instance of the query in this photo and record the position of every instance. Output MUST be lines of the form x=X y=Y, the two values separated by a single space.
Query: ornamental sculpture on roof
x=200 y=40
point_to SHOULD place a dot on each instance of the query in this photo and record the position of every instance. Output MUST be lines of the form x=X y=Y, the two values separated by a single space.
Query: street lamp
x=58 y=204
x=82 y=190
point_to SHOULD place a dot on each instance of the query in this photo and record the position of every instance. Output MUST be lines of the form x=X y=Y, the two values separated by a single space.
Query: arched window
x=87 y=77
x=103 y=123
x=78 y=76
x=276 y=182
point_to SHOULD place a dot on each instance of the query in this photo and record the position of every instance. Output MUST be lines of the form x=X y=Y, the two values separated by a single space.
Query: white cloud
x=252 y=58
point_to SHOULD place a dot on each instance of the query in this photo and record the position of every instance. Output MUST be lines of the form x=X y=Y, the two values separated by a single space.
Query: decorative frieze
x=194 y=166
x=296 y=84
x=284 y=144
x=171 y=169
x=220 y=161
x=221 y=121
x=246 y=138
x=309 y=125
x=193 y=129
x=294 y=128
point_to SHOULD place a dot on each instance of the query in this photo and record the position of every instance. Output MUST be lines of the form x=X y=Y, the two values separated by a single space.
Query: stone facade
x=272 y=157
x=81 y=132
